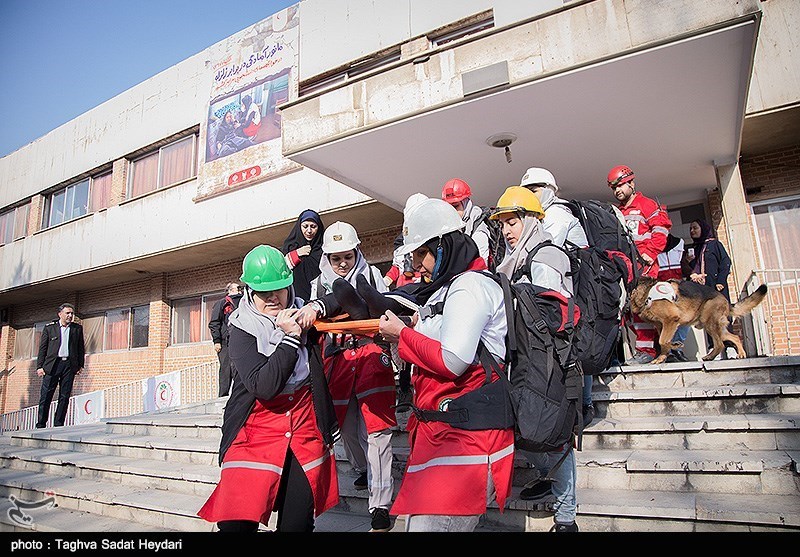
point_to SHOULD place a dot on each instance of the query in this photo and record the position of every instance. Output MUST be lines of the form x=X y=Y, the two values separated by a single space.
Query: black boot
x=377 y=302
x=348 y=298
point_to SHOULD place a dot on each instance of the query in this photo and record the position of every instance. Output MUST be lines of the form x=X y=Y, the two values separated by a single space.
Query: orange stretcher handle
x=362 y=327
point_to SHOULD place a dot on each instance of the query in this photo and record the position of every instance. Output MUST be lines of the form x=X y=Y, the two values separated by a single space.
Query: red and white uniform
x=256 y=458
x=448 y=468
x=649 y=224
x=669 y=263
x=367 y=373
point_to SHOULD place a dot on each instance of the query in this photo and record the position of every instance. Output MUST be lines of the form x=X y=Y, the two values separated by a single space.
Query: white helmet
x=538 y=176
x=339 y=237
x=413 y=200
x=428 y=219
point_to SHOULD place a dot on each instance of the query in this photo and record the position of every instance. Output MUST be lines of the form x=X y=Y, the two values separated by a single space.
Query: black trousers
x=295 y=503
x=62 y=377
x=224 y=370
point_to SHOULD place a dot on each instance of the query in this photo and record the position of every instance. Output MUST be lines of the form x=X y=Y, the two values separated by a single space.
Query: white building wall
x=332 y=38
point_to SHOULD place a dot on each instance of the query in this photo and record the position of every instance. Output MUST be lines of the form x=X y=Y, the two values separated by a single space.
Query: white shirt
x=473 y=311
x=63 y=350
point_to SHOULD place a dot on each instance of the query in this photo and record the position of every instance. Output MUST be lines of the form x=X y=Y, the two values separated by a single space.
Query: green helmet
x=265 y=269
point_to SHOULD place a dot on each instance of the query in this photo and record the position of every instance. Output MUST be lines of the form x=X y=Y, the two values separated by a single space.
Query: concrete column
x=740 y=238
x=35 y=214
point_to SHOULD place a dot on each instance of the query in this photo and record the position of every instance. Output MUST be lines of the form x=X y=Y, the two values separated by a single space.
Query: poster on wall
x=253 y=72
x=89 y=407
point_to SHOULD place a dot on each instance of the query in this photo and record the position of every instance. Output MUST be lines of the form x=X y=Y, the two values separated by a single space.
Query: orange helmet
x=620 y=175
x=456 y=190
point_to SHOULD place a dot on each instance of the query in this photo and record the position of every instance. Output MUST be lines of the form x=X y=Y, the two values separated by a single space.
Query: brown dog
x=695 y=304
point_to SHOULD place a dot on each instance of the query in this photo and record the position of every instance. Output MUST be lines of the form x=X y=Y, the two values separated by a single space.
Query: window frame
x=129 y=335
x=761 y=203
x=34 y=353
x=159 y=186
x=69 y=192
x=15 y=221
x=205 y=317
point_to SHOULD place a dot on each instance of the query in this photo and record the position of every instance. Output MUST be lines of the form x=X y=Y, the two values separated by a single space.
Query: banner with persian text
x=254 y=71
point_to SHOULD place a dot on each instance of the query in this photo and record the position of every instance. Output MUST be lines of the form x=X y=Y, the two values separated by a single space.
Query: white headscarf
x=532 y=235
x=247 y=318
x=328 y=275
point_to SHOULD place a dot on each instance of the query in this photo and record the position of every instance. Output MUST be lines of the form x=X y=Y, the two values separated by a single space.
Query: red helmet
x=620 y=175
x=456 y=190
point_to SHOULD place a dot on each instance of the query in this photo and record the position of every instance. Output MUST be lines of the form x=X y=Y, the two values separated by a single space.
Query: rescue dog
x=694 y=304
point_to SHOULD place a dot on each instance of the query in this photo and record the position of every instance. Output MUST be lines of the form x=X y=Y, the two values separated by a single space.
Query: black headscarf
x=699 y=245
x=459 y=252
x=308 y=268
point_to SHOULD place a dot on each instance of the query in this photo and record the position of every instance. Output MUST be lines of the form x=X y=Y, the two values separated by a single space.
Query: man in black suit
x=219 y=333
x=61 y=358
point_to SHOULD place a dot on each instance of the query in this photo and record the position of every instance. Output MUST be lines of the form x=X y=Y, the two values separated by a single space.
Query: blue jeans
x=680 y=334
x=564 y=481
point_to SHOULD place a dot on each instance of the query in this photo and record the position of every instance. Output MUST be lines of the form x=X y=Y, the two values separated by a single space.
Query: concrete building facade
x=140 y=210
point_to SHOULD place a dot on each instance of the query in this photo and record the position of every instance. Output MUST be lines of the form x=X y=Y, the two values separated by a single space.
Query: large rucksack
x=541 y=385
x=605 y=230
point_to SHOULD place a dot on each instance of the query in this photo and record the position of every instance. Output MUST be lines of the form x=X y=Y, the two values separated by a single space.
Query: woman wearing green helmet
x=279 y=426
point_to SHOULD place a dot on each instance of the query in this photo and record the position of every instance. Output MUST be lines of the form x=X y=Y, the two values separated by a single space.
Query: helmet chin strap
x=438 y=264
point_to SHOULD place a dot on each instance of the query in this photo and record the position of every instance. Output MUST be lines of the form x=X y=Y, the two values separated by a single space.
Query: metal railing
x=198 y=384
x=776 y=321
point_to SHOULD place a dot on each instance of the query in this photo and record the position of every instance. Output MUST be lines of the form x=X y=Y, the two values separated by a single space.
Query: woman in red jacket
x=279 y=428
x=452 y=473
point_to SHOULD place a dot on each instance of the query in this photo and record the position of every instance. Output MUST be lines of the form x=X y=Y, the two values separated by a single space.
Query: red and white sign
x=243 y=175
x=161 y=391
x=89 y=407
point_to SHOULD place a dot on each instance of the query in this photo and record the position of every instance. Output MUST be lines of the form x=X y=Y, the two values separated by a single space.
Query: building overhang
x=672 y=109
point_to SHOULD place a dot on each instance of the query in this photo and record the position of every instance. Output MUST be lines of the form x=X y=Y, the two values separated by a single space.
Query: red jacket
x=649 y=224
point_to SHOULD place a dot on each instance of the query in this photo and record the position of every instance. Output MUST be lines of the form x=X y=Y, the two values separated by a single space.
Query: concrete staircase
x=678 y=447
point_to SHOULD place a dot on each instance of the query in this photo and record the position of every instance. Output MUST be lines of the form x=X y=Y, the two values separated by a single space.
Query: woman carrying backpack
x=452 y=473
x=520 y=213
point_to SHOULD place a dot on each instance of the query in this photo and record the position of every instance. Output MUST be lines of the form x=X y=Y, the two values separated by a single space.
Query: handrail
x=773 y=319
x=198 y=383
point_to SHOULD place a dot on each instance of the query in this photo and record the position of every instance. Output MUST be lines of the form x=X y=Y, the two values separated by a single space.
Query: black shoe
x=676 y=356
x=538 y=492
x=361 y=481
x=588 y=414
x=572 y=527
x=380 y=520
x=348 y=298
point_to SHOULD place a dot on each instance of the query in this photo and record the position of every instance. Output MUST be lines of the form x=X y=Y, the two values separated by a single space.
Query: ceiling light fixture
x=502 y=141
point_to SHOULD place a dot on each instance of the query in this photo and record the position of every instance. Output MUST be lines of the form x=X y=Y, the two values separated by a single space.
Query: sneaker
x=380 y=520
x=538 y=492
x=588 y=414
x=571 y=527
x=676 y=356
x=361 y=481
x=640 y=358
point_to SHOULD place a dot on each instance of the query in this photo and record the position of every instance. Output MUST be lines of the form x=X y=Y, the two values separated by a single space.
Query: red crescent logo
x=161 y=396
x=86 y=406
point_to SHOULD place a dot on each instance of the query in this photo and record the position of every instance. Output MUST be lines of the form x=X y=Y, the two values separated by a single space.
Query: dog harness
x=661 y=291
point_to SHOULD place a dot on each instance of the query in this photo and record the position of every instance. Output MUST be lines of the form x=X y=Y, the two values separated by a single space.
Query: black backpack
x=540 y=387
x=497 y=246
x=606 y=233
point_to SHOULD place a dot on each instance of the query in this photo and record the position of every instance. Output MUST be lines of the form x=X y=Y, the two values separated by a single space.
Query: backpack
x=540 y=388
x=497 y=245
x=605 y=230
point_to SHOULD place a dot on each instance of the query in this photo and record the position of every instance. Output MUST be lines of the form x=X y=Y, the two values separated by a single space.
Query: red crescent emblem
x=86 y=407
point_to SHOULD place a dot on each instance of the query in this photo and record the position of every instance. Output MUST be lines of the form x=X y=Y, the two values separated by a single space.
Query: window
x=14 y=223
x=190 y=318
x=93 y=328
x=169 y=165
x=100 y=192
x=777 y=224
x=127 y=328
x=26 y=342
x=67 y=204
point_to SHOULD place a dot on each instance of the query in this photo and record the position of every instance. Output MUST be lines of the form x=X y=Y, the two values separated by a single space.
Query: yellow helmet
x=518 y=199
